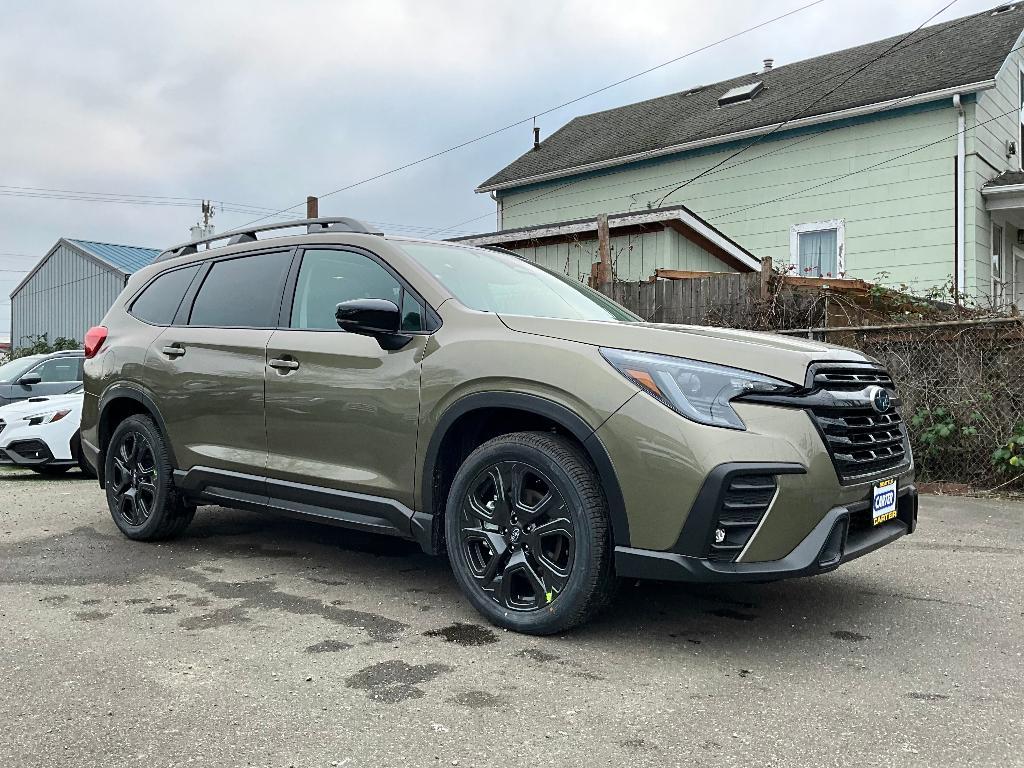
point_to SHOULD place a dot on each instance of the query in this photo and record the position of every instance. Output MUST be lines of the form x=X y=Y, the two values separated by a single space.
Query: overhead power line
x=719 y=167
x=547 y=111
x=742 y=209
x=808 y=108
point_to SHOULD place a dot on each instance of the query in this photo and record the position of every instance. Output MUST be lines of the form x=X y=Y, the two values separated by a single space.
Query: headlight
x=699 y=391
x=46 y=418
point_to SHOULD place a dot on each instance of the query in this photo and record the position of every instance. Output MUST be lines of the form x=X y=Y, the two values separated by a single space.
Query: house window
x=818 y=249
x=998 y=267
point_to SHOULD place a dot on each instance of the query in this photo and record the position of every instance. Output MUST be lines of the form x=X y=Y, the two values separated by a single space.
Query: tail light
x=94 y=339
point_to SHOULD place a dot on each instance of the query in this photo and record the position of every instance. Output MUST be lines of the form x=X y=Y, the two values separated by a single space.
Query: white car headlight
x=699 y=391
x=46 y=418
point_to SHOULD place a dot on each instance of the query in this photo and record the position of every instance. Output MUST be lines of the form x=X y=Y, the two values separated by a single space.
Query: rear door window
x=159 y=301
x=243 y=292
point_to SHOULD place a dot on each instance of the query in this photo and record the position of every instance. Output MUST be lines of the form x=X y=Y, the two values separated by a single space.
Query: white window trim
x=1000 y=299
x=839 y=225
x=1020 y=118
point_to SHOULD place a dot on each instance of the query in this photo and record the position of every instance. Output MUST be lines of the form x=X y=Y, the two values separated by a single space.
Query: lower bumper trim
x=814 y=555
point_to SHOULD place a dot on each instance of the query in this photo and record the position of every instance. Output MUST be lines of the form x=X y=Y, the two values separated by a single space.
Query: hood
x=41 y=404
x=783 y=357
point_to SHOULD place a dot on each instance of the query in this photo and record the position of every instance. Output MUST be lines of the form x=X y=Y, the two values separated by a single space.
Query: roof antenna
x=536 y=135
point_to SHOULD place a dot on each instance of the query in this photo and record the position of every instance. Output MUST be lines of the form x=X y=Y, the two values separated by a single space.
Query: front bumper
x=30 y=453
x=843 y=534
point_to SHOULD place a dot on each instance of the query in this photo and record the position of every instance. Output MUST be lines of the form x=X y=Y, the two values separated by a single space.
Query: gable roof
x=125 y=259
x=676 y=217
x=962 y=55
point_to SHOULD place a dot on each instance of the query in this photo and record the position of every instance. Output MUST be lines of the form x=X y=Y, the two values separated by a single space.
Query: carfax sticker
x=883 y=505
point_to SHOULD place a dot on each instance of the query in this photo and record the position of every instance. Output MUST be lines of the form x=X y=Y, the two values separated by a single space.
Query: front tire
x=141 y=495
x=528 y=536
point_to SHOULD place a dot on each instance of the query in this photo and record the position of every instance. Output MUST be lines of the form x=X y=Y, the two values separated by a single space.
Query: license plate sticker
x=883 y=503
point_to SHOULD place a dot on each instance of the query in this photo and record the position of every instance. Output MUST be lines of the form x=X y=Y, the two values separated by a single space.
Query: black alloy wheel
x=527 y=531
x=141 y=495
x=517 y=536
x=134 y=479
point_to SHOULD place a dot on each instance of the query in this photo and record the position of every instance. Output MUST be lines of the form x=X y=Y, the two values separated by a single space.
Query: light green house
x=898 y=160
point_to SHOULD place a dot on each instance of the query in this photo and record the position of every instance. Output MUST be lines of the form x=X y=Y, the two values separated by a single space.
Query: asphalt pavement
x=261 y=641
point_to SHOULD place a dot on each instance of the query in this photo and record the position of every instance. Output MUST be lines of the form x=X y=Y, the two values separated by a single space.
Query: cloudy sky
x=257 y=104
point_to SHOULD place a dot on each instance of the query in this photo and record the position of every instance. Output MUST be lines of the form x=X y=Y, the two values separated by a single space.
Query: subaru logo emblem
x=879 y=398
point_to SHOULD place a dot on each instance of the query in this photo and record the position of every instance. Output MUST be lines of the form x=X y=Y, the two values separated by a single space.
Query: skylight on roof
x=740 y=93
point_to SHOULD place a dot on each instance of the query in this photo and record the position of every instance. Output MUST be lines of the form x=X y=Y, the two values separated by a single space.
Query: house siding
x=989 y=128
x=67 y=295
x=899 y=217
x=634 y=257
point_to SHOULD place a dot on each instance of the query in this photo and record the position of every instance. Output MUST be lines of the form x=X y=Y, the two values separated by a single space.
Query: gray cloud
x=263 y=102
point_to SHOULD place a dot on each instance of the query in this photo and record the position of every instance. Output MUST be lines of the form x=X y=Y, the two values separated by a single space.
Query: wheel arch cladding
x=116 y=405
x=476 y=418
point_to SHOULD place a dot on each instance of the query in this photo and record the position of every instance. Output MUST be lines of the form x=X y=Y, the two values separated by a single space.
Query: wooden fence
x=729 y=298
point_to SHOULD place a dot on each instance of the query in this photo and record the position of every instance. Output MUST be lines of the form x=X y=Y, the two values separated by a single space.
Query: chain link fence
x=962 y=388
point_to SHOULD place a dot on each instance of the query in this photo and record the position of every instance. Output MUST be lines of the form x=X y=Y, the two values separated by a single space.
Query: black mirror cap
x=370 y=317
x=29 y=379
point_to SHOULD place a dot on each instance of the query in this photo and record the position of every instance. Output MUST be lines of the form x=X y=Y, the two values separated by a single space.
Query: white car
x=41 y=433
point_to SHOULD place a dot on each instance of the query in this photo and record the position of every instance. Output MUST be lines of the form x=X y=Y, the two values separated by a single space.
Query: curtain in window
x=819 y=254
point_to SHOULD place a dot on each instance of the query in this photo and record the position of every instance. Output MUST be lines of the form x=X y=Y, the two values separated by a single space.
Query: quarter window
x=328 y=278
x=159 y=302
x=242 y=293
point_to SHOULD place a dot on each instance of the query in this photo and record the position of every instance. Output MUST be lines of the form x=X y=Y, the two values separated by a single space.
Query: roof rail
x=248 y=234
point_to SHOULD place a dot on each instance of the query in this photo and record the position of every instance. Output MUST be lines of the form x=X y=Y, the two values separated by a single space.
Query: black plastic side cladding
x=557 y=413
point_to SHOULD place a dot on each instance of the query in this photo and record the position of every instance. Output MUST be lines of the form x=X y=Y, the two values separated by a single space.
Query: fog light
x=719 y=535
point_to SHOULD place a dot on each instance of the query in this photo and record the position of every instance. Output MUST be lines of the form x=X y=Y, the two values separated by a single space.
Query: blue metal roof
x=127 y=258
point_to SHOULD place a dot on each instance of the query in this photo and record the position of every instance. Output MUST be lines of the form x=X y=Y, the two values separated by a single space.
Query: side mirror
x=373 y=317
x=29 y=379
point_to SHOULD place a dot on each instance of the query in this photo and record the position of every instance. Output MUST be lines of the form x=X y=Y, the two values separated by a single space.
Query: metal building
x=71 y=288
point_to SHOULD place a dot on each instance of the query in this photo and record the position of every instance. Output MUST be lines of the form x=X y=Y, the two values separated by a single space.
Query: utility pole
x=312 y=208
x=604 y=270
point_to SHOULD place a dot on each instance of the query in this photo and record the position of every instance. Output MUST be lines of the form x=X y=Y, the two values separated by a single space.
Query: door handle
x=283 y=365
x=173 y=351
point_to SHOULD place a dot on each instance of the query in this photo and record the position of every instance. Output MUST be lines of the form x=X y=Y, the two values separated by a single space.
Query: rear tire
x=528 y=534
x=138 y=472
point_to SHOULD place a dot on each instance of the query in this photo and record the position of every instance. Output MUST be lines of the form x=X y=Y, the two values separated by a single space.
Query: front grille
x=3 y=425
x=850 y=379
x=861 y=441
x=744 y=503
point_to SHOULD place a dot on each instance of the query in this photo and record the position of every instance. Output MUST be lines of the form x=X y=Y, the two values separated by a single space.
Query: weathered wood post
x=604 y=250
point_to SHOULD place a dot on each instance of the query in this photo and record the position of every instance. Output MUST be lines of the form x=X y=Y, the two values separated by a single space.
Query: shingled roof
x=965 y=54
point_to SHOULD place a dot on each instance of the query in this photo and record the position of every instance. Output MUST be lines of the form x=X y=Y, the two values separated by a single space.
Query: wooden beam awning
x=678 y=218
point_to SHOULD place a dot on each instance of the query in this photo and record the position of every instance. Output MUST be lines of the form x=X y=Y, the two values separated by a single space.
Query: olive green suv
x=544 y=437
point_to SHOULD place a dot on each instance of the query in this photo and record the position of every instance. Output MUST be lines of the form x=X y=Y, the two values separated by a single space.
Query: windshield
x=492 y=281
x=12 y=371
